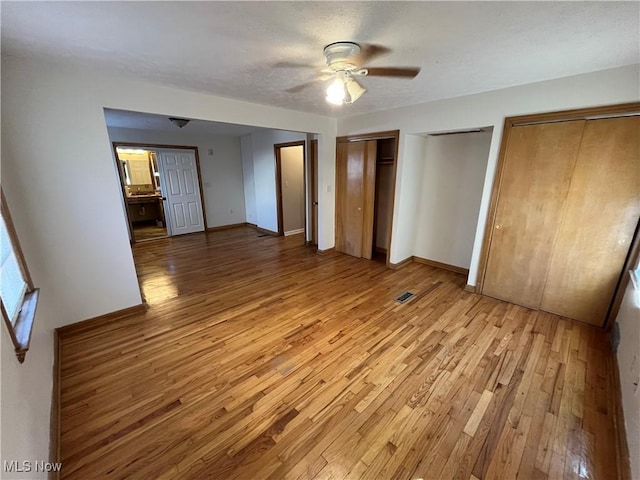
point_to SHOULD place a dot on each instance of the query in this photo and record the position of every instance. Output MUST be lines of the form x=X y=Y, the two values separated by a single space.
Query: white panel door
x=181 y=189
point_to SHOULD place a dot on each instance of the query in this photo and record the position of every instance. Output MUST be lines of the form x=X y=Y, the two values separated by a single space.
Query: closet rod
x=572 y=119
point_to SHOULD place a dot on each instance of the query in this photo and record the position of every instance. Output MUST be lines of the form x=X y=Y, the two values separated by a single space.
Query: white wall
x=450 y=194
x=408 y=177
x=292 y=171
x=57 y=165
x=25 y=399
x=264 y=174
x=222 y=183
x=246 y=148
x=607 y=87
x=629 y=363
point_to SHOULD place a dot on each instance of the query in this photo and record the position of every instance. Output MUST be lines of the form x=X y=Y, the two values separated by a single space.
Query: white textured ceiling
x=161 y=123
x=231 y=49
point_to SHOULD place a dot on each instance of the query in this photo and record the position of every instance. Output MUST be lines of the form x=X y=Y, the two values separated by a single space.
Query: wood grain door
x=538 y=166
x=600 y=216
x=369 y=198
x=313 y=179
x=355 y=195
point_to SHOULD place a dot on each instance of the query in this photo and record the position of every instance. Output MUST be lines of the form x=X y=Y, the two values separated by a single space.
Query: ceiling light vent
x=179 y=122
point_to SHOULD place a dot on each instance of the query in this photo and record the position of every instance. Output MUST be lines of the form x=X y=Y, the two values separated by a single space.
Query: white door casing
x=181 y=189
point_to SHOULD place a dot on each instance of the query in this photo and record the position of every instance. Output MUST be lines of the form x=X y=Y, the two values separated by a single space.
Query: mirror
x=139 y=170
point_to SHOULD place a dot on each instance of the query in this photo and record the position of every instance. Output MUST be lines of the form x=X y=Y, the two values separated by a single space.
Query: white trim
x=293 y=232
x=635 y=278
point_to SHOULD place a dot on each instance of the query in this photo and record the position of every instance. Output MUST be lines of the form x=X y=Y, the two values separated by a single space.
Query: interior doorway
x=290 y=187
x=161 y=190
x=365 y=191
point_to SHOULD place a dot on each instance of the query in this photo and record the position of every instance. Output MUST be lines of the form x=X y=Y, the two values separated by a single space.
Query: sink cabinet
x=145 y=209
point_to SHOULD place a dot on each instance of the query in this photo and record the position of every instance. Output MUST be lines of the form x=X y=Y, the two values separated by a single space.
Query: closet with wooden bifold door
x=565 y=209
x=365 y=181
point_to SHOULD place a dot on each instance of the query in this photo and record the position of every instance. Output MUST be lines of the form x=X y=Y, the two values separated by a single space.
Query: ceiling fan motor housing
x=342 y=56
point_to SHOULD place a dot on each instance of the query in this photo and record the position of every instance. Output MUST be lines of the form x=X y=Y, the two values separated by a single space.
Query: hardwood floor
x=259 y=359
x=148 y=232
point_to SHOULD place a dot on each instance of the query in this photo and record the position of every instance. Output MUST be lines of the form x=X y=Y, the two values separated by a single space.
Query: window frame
x=20 y=333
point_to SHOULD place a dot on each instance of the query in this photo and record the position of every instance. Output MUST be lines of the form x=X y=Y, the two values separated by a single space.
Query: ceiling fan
x=345 y=62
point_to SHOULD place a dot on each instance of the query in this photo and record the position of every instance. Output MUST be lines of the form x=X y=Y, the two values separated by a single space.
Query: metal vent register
x=405 y=297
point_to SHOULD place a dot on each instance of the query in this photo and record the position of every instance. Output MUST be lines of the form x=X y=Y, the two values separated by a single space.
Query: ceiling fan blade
x=371 y=51
x=393 y=72
x=293 y=65
x=302 y=86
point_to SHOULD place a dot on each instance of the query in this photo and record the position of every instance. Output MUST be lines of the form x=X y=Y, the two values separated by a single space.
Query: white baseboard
x=294 y=232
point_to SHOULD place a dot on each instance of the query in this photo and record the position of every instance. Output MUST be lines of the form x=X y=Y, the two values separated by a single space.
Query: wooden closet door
x=313 y=180
x=355 y=193
x=537 y=170
x=369 y=198
x=601 y=213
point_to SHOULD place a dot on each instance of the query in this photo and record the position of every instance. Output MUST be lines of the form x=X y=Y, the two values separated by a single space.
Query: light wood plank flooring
x=148 y=232
x=259 y=359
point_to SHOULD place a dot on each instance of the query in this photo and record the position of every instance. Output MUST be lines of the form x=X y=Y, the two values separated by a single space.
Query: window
x=17 y=294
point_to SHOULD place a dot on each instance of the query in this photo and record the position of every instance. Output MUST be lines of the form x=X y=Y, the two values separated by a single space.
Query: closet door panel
x=369 y=198
x=537 y=170
x=601 y=213
x=313 y=180
x=350 y=167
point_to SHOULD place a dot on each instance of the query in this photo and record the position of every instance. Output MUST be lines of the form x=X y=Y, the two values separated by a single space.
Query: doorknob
x=315 y=203
x=498 y=227
x=359 y=208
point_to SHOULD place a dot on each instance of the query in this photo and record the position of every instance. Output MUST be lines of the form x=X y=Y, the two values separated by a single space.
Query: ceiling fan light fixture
x=346 y=61
x=354 y=90
x=337 y=91
x=344 y=90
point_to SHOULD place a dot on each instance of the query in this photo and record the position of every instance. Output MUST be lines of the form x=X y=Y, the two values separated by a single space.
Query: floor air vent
x=405 y=297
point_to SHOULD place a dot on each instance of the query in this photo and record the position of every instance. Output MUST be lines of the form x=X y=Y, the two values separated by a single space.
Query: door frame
x=276 y=150
x=590 y=113
x=313 y=190
x=393 y=134
x=154 y=146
